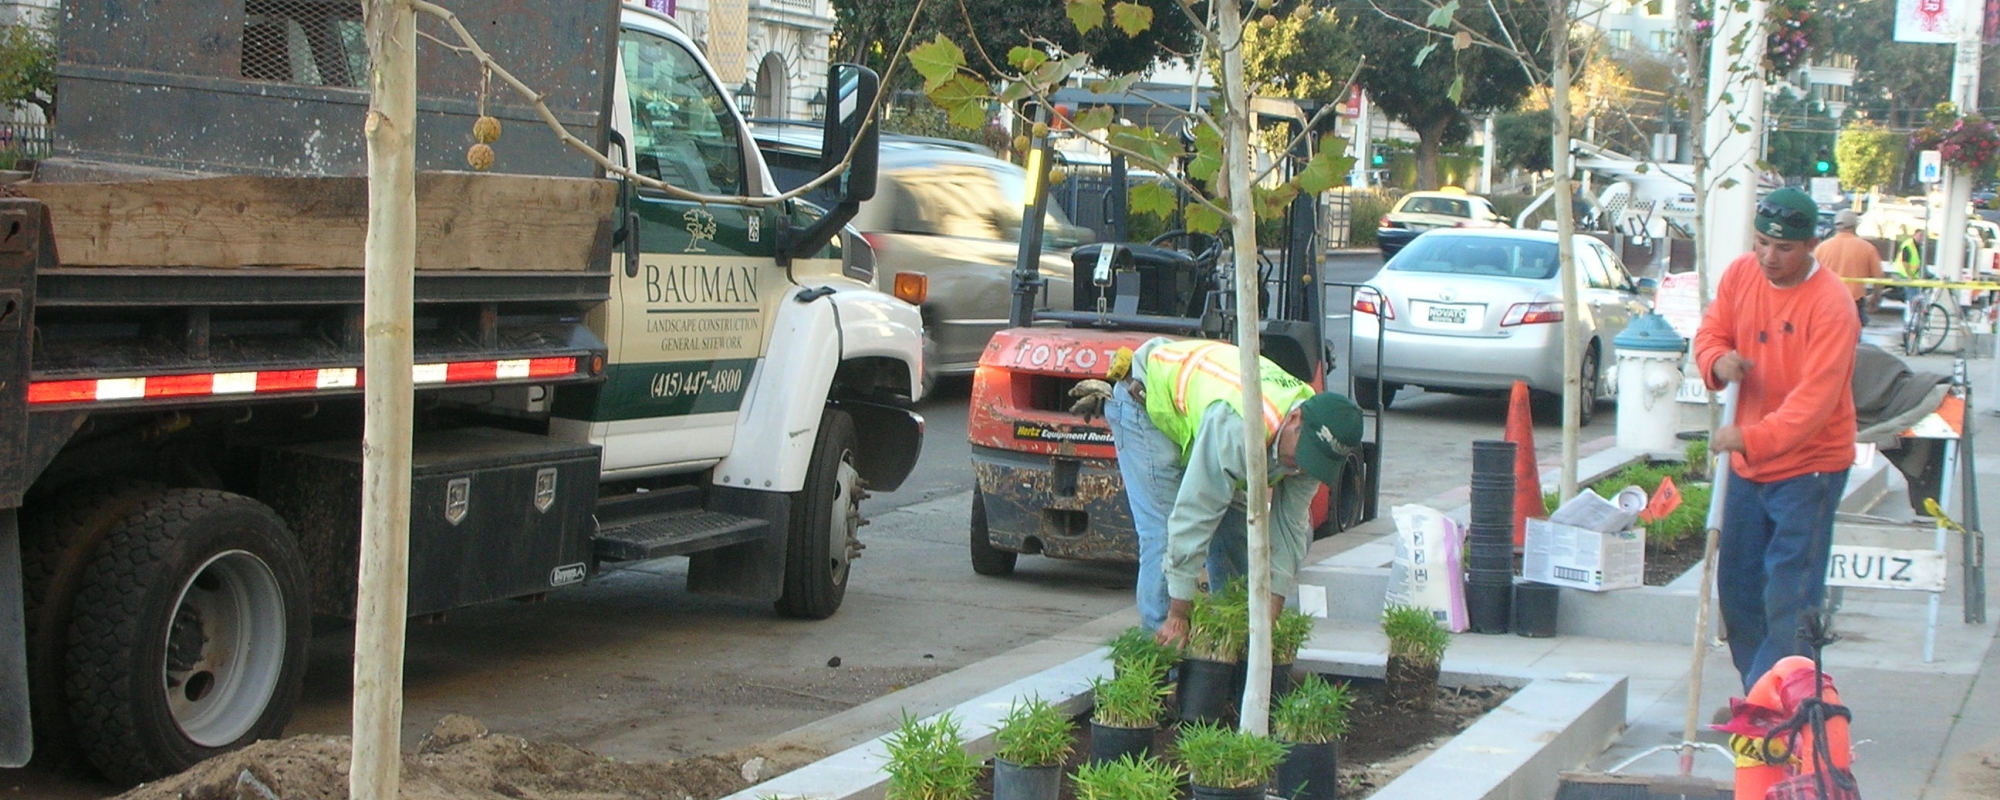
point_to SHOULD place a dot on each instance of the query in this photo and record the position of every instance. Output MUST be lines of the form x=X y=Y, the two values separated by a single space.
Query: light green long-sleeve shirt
x=1213 y=479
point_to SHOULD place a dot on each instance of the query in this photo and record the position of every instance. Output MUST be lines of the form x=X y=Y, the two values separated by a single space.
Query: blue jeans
x=1771 y=566
x=1150 y=465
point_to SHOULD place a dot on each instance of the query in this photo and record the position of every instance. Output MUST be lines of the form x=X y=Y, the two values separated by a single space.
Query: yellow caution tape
x=1749 y=751
x=1931 y=507
x=1914 y=283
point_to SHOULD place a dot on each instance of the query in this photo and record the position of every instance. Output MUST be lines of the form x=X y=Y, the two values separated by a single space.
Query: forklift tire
x=58 y=536
x=987 y=559
x=826 y=514
x=189 y=634
x=1344 y=504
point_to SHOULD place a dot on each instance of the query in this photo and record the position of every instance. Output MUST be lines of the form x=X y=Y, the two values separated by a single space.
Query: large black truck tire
x=189 y=634
x=826 y=514
x=59 y=534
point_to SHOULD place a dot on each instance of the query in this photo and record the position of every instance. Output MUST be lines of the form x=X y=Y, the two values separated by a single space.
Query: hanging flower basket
x=1791 y=29
x=1967 y=143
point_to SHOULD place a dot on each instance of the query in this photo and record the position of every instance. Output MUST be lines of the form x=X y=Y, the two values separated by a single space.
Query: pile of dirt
x=460 y=760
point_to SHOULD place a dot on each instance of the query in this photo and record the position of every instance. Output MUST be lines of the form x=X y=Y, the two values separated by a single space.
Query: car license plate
x=1448 y=315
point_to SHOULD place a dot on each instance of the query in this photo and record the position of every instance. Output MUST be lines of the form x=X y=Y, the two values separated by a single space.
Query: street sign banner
x=1926 y=22
x=1930 y=167
x=1860 y=567
x=1826 y=191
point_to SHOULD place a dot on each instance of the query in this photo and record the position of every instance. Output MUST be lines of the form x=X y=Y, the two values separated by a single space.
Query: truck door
x=690 y=314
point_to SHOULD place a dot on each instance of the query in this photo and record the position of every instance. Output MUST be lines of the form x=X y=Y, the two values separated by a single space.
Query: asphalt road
x=633 y=667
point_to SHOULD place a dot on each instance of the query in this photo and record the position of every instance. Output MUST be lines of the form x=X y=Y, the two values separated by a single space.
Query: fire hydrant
x=1649 y=375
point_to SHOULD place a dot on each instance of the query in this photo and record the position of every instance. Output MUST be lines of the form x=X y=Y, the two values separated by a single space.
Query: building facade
x=773 y=53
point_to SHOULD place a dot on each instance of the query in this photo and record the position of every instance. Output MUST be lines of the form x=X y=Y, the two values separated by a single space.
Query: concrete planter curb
x=1550 y=724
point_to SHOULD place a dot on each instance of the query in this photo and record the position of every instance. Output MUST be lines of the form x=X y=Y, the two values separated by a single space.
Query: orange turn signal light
x=913 y=287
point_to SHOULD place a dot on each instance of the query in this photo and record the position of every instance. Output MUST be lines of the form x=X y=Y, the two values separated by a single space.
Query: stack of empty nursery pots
x=1489 y=563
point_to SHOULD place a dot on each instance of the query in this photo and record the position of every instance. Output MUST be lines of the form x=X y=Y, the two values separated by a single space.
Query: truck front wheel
x=822 y=542
x=189 y=634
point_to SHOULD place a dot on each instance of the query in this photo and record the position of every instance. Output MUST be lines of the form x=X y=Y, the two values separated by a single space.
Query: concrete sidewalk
x=1921 y=730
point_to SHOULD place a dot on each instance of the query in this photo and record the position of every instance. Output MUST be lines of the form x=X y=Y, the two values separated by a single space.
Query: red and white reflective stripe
x=209 y=384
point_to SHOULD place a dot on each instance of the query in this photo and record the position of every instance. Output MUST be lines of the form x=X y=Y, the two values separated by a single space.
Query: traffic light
x=1381 y=156
x=1823 y=164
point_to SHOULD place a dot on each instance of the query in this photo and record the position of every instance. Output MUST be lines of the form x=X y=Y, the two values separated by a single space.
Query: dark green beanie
x=1788 y=214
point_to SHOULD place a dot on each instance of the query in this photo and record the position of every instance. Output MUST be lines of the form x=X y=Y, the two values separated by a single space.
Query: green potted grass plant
x=1127 y=710
x=1033 y=741
x=1211 y=680
x=1138 y=644
x=1127 y=778
x=1310 y=721
x=1288 y=633
x=1416 y=647
x=1226 y=764
x=927 y=761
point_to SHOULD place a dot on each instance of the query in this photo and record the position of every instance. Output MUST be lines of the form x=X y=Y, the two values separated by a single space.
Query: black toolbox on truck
x=494 y=514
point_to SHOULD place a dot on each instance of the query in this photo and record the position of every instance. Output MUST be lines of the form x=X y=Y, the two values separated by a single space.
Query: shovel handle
x=1718 y=495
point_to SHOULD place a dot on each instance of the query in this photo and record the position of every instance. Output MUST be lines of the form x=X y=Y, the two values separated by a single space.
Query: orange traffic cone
x=1527 y=475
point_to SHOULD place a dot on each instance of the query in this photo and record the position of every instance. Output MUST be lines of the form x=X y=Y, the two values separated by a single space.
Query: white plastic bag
x=1426 y=572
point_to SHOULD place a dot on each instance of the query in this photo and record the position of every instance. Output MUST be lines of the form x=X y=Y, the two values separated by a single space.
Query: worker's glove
x=1090 y=396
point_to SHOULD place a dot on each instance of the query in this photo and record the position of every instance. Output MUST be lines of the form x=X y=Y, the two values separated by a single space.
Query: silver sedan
x=1472 y=311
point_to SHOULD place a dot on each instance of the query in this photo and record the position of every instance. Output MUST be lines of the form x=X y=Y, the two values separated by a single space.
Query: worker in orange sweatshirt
x=1784 y=328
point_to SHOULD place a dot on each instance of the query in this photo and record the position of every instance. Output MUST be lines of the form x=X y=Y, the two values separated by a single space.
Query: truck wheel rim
x=845 y=521
x=224 y=648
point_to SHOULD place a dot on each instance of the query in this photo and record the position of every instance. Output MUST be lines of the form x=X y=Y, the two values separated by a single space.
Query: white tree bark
x=1236 y=166
x=1559 y=24
x=390 y=262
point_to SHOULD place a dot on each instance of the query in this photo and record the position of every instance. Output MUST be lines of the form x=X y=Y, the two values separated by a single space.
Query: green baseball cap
x=1331 y=430
x=1788 y=214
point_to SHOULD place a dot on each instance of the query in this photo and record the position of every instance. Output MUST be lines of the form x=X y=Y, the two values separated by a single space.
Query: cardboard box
x=1580 y=558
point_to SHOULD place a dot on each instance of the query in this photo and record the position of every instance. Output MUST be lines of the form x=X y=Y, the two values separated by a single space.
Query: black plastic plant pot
x=1493 y=457
x=1495 y=533
x=1239 y=793
x=1012 y=781
x=1502 y=578
x=1281 y=681
x=1535 y=607
x=1209 y=690
x=1108 y=743
x=1486 y=605
x=1307 y=773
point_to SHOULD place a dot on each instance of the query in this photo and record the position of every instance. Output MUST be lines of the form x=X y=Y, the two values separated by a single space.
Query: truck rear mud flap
x=1057 y=506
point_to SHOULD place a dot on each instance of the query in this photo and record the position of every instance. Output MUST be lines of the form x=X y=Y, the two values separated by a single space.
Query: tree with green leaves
x=1898 y=82
x=1870 y=156
x=1421 y=73
x=1306 y=54
x=1521 y=140
x=868 y=32
x=28 y=68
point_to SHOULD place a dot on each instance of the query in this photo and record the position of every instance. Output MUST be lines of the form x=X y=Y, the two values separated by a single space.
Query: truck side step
x=675 y=534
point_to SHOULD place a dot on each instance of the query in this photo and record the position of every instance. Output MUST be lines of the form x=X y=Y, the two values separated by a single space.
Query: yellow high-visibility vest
x=1184 y=378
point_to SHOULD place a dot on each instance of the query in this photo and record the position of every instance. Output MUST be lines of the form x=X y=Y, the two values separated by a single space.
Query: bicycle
x=1928 y=316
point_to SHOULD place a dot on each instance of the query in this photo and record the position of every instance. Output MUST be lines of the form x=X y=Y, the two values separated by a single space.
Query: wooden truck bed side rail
x=465 y=221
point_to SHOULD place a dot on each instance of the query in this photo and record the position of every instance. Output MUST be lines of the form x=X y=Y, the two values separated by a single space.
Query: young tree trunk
x=389 y=261
x=1429 y=145
x=1236 y=168
x=1559 y=23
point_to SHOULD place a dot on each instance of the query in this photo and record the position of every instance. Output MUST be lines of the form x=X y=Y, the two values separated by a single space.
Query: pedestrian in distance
x=1849 y=256
x=1783 y=328
x=1176 y=420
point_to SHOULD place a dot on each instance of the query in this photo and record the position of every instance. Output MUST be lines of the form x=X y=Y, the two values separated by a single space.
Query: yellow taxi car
x=1416 y=212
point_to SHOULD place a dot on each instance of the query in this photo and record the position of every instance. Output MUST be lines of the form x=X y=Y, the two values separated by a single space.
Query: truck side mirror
x=852 y=88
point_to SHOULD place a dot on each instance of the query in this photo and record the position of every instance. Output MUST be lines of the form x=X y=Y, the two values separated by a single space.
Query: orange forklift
x=1047 y=478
